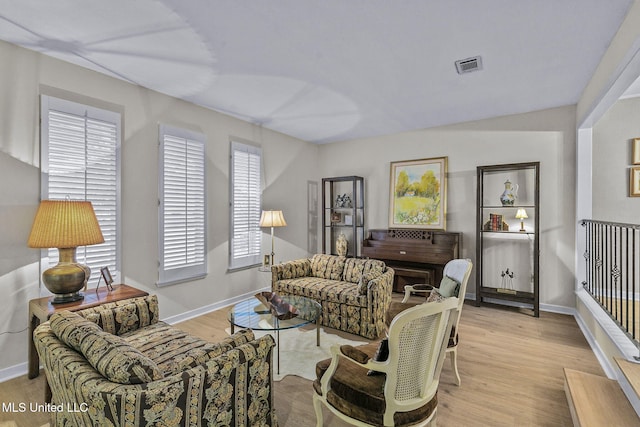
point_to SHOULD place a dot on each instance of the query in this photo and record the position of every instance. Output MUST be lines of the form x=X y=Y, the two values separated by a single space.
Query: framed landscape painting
x=418 y=194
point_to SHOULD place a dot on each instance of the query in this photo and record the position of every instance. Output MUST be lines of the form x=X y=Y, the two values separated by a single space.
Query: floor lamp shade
x=272 y=219
x=65 y=224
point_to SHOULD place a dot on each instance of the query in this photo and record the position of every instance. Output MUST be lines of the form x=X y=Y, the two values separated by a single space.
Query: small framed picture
x=336 y=217
x=635 y=151
x=266 y=261
x=634 y=181
x=106 y=276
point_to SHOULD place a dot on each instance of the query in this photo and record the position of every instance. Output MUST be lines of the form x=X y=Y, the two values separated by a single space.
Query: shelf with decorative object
x=507 y=234
x=343 y=215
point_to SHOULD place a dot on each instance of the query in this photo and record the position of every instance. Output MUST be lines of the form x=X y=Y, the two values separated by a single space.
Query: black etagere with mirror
x=507 y=235
x=343 y=214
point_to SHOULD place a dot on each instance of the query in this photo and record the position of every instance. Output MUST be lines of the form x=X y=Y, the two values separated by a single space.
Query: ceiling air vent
x=468 y=65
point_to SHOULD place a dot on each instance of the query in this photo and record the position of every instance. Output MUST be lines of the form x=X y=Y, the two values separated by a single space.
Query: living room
x=547 y=135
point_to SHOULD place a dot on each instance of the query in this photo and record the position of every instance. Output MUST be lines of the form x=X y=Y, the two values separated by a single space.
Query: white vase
x=342 y=245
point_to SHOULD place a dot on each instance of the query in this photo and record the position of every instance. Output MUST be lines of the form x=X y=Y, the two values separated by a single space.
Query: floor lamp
x=272 y=219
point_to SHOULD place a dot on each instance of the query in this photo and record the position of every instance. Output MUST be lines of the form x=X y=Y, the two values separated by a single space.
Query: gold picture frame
x=418 y=194
x=634 y=181
x=635 y=151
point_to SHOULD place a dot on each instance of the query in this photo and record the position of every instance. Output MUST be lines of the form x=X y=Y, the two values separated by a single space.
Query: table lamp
x=65 y=224
x=272 y=219
x=521 y=215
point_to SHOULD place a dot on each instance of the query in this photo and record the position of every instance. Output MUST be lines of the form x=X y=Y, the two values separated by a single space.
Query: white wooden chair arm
x=422 y=288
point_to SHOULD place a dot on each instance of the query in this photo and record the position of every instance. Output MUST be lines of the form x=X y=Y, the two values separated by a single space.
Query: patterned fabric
x=327 y=266
x=109 y=354
x=174 y=351
x=363 y=285
x=343 y=306
x=291 y=269
x=124 y=316
x=323 y=290
x=232 y=388
x=435 y=296
x=354 y=268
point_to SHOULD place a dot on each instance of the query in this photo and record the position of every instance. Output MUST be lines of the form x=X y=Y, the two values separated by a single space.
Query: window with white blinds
x=182 y=206
x=80 y=161
x=246 y=192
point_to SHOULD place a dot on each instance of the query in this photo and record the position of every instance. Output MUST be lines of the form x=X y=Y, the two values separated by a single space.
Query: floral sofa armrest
x=379 y=292
x=235 y=388
x=291 y=269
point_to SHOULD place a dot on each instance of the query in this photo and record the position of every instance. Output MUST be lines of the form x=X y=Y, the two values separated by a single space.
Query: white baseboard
x=14 y=371
x=172 y=320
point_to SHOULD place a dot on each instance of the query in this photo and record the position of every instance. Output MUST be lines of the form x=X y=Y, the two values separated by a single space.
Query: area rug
x=299 y=353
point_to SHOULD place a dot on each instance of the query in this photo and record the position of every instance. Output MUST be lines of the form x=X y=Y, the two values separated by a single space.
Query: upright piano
x=416 y=255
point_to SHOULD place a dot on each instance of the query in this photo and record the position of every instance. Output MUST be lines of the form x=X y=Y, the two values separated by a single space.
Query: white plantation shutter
x=80 y=161
x=182 y=206
x=246 y=192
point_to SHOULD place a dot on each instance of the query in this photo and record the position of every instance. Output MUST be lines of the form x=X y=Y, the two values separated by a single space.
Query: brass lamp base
x=66 y=279
x=64 y=298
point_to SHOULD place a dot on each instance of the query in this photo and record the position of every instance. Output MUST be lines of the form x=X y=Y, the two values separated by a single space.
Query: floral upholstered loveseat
x=118 y=365
x=354 y=293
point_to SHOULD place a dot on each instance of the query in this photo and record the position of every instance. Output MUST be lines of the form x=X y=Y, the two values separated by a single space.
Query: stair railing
x=612 y=276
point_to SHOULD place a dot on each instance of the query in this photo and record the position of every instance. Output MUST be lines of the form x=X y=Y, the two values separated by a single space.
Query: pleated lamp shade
x=64 y=224
x=272 y=219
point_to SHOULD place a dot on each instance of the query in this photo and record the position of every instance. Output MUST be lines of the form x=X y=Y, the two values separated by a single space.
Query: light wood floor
x=510 y=364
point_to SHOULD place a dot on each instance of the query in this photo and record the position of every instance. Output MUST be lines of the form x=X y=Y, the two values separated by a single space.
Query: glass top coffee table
x=267 y=311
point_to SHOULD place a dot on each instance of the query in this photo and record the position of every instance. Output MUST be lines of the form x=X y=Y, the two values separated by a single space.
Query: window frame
x=89 y=112
x=253 y=258
x=186 y=272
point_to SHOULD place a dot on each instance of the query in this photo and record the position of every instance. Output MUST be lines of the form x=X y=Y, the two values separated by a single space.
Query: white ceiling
x=332 y=70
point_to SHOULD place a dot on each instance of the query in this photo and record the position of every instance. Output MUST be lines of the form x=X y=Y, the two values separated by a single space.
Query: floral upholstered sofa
x=118 y=365
x=354 y=293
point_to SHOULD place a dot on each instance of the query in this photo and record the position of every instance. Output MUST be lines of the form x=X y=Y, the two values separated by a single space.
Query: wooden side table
x=41 y=309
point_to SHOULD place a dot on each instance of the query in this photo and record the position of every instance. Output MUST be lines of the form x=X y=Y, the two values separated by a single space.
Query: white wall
x=612 y=139
x=288 y=165
x=547 y=136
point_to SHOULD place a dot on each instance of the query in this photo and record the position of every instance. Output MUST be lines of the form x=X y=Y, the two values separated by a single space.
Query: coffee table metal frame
x=252 y=314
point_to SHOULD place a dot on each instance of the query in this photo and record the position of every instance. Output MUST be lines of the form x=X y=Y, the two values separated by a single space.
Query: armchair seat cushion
x=361 y=396
x=175 y=351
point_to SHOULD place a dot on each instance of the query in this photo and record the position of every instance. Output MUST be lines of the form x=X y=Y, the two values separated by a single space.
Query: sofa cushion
x=323 y=290
x=109 y=354
x=124 y=316
x=327 y=266
x=354 y=268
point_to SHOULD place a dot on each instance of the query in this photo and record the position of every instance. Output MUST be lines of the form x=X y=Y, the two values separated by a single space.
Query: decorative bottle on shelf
x=510 y=193
x=342 y=245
